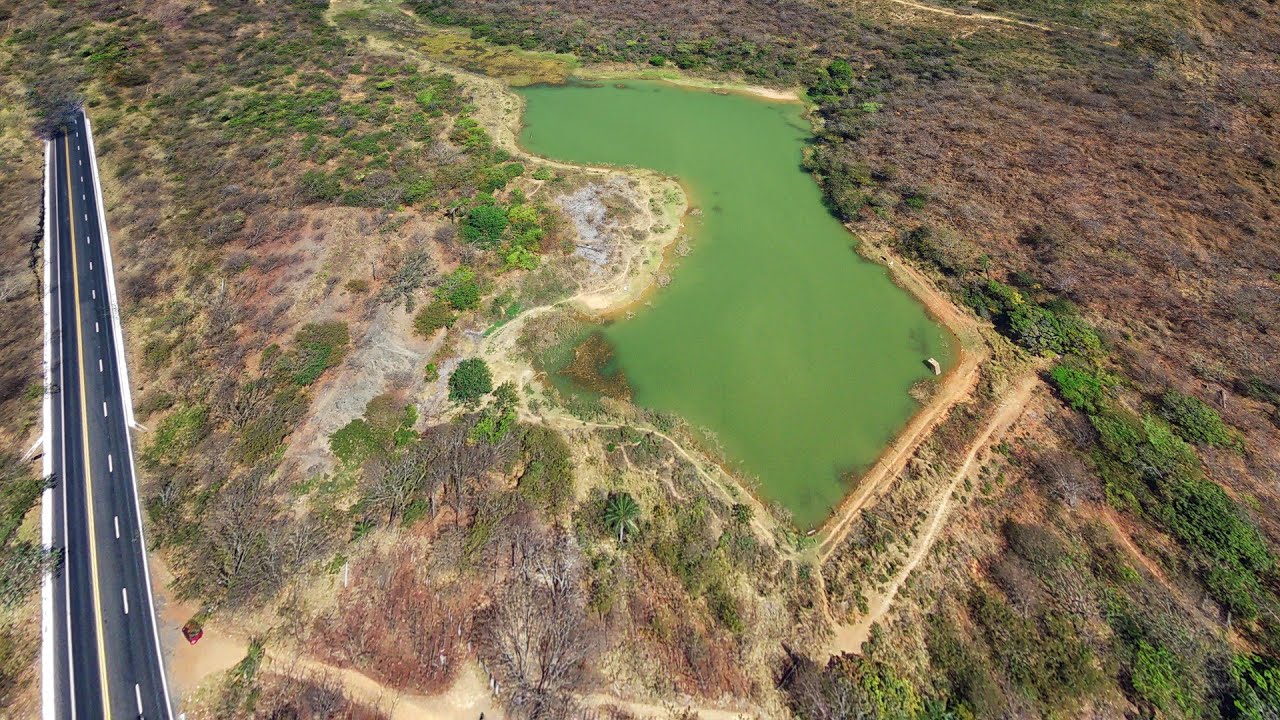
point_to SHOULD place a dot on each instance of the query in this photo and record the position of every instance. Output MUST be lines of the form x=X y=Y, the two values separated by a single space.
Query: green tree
x=470 y=381
x=622 y=514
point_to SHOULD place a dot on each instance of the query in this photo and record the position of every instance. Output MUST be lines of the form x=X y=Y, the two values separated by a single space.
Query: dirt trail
x=650 y=711
x=964 y=15
x=850 y=638
x=762 y=520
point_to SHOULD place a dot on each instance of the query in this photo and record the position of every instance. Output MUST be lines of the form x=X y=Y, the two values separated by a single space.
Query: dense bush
x=1084 y=388
x=1042 y=329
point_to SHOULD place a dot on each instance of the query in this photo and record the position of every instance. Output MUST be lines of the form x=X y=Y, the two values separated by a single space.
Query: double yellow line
x=84 y=438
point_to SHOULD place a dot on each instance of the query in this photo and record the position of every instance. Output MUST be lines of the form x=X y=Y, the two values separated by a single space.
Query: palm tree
x=622 y=513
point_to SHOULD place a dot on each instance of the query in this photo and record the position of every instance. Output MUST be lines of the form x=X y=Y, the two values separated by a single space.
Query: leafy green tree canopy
x=470 y=381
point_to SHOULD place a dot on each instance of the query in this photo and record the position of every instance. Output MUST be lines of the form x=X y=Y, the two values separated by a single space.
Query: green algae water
x=773 y=334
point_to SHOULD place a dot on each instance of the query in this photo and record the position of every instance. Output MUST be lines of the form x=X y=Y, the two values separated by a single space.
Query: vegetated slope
x=1102 y=192
x=22 y=390
x=284 y=203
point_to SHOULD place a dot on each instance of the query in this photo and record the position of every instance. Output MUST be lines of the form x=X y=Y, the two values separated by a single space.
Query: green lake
x=773 y=334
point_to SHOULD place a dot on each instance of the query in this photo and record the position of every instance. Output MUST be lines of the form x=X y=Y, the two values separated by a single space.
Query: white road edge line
x=126 y=403
x=124 y=593
x=47 y=710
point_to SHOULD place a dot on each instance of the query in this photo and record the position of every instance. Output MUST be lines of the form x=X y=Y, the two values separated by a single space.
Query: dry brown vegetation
x=283 y=187
x=1117 y=172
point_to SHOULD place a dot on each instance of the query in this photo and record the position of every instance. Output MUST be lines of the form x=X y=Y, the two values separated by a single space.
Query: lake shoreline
x=501 y=110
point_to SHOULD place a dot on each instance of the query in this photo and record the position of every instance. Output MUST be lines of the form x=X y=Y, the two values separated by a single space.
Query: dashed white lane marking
x=137 y=695
x=81 y=162
x=86 y=217
x=111 y=467
x=82 y=197
x=90 y=264
x=99 y=364
x=124 y=593
x=104 y=408
x=95 y=326
x=95 y=294
x=117 y=520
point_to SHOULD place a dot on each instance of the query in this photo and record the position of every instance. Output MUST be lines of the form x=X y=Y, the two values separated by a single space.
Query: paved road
x=106 y=659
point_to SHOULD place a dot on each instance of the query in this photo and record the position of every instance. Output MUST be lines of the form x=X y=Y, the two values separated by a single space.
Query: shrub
x=355 y=442
x=1081 y=387
x=263 y=435
x=484 y=225
x=547 y=479
x=725 y=608
x=499 y=417
x=154 y=401
x=320 y=347
x=1157 y=677
x=1256 y=691
x=433 y=317
x=470 y=381
x=461 y=289
x=318 y=187
x=176 y=434
x=1195 y=421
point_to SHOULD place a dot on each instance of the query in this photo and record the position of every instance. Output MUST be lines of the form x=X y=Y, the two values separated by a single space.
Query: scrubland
x=338 y=272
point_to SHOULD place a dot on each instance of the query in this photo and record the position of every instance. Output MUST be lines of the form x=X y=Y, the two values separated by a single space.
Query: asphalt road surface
x=106 y=656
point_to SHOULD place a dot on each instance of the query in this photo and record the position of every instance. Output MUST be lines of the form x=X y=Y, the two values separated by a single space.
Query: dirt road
x=850 y=638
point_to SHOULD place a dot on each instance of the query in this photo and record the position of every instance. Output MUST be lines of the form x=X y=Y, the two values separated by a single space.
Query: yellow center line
x=84 y=437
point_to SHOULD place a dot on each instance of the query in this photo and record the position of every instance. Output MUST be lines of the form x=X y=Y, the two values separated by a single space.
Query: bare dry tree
x=536 y=637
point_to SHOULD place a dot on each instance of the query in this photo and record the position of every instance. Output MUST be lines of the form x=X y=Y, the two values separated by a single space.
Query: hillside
x=342 y=280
